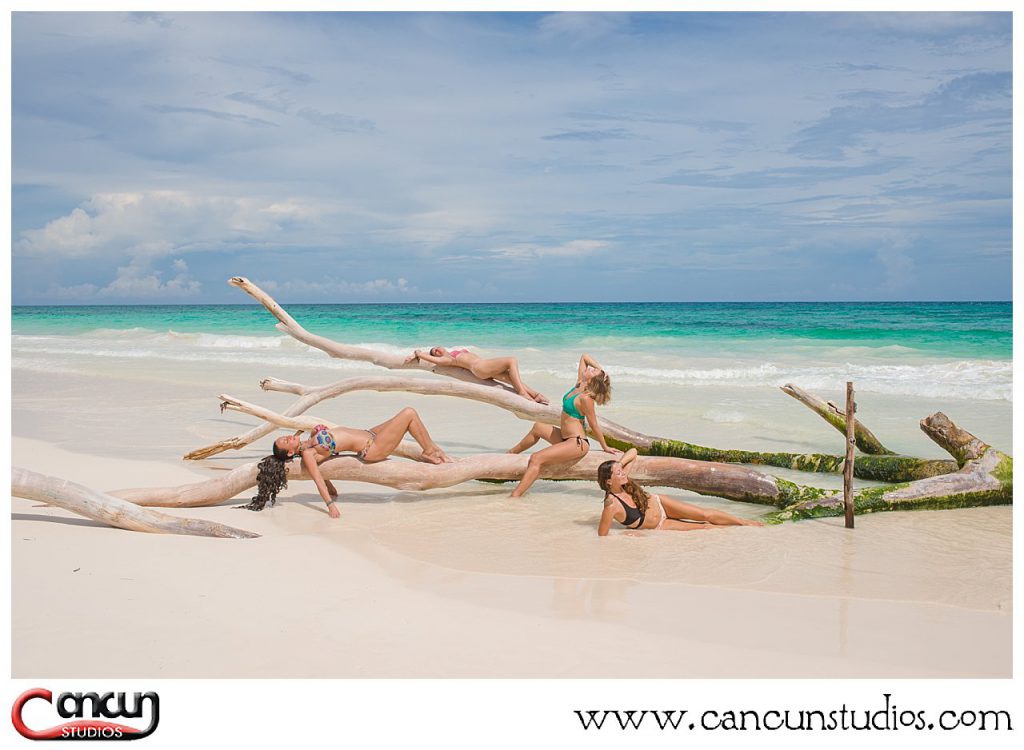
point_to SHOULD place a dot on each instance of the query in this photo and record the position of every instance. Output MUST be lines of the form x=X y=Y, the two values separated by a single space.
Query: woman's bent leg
x=567 y=450
x=538 y=432
x=389 y=434
x=506 y=369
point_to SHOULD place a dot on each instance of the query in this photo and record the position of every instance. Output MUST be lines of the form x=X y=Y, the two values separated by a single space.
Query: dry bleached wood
x=723 y=480
x=289 y=325
x=112 y=511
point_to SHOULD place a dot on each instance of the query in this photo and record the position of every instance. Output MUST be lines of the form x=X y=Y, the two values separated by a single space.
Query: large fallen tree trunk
x=722 y=480
x=985 y=478
x=112 y=511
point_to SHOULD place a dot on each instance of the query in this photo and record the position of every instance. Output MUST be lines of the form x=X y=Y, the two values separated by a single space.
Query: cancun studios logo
x=89 y=712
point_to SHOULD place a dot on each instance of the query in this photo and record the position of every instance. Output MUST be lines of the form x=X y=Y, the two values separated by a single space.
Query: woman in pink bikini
x=632 y=506
x=503 y=369
x=324 y=441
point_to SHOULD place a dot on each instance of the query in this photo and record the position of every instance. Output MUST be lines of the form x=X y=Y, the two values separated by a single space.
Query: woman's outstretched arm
x=587 y=403
x=309 y=460
x=428 y=357
x=606 y=517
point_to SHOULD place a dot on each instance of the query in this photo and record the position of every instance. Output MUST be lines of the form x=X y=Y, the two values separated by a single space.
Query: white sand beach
x=464 y=582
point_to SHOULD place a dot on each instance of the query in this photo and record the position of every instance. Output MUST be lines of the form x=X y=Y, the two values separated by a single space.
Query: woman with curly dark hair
x=568 y=440
x=324 y=441
x=643 y=510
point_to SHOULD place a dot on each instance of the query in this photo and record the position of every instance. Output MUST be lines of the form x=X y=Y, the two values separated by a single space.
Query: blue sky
x=511 y=157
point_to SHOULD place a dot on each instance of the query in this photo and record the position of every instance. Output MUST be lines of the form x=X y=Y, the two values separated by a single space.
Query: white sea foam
x=826 y=370
x=984 y=380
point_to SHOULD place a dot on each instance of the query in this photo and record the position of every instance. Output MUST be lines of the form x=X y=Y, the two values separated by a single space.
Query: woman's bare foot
x=436 y=456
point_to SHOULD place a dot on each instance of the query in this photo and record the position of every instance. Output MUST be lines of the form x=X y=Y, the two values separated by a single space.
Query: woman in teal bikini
x=325 y=441
x=504 y=369
x=568 y=440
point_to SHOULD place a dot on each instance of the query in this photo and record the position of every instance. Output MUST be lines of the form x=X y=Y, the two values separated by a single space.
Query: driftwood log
x=722 y=480
x=112 y=511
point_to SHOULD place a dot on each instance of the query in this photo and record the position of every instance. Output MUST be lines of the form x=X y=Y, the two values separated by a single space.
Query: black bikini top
x=633 y=514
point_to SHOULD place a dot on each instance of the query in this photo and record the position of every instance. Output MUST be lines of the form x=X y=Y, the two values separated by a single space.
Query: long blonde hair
x=634 y=490
x=600 y=388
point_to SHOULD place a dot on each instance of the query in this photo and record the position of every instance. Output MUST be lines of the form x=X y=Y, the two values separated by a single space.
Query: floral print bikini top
x=324 y=438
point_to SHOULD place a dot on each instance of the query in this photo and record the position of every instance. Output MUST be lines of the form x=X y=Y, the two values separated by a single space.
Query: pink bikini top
x=456 y=352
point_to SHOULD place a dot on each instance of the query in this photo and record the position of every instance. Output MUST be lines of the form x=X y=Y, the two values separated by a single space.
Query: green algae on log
x=866 y=441
x=885 y=468
x=986 y=478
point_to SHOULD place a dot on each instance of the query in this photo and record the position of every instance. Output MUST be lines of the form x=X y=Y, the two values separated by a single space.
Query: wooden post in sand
x=851 y=409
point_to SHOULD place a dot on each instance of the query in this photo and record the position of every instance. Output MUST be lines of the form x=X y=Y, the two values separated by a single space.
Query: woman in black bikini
x=372 y=445
x=568 y=440
x=628 y=503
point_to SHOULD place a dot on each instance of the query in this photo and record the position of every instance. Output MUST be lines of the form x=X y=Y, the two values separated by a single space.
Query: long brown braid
x=640 y=496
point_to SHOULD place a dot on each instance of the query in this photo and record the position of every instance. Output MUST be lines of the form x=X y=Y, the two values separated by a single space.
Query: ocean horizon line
x=566 y=304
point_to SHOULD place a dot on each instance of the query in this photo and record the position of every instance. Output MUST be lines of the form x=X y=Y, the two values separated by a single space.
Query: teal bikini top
x=569 y=405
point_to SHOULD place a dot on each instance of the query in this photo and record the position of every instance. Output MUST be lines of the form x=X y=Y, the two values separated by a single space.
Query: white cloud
x=570 y=249
x=137 y=280
x=158 y=223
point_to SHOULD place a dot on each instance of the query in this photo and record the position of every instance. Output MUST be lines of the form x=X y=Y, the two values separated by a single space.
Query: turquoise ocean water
x=959 y=329
x=956 y=349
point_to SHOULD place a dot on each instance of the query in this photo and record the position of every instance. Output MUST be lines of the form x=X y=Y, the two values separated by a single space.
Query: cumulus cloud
x=159 y=223
x=137 y=282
